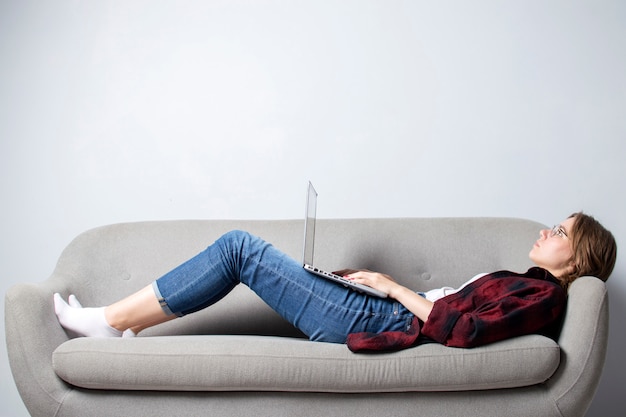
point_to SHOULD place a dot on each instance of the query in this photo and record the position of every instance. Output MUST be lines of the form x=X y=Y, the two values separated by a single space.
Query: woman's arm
x=414 y=302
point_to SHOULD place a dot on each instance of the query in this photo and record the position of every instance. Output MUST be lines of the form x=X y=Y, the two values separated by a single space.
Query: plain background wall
x=115 y=111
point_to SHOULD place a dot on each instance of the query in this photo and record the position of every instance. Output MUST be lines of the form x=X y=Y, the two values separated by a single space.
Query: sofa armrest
x=32 y=334
x=583 y=341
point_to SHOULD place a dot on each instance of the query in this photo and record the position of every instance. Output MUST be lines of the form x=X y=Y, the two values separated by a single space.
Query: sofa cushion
x=262 y=363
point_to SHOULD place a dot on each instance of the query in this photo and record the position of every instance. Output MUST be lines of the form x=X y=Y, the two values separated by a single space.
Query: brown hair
x=595 y=250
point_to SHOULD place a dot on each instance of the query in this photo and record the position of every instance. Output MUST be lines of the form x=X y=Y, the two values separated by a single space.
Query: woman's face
x=554 y=251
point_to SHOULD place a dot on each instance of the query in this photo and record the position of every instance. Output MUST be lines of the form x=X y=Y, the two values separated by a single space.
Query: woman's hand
x=381 y=282
x=415 y=303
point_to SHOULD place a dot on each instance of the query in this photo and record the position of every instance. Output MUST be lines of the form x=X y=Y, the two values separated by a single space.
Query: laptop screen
x=309 y=225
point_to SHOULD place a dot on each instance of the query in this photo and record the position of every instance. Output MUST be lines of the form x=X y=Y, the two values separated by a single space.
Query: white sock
x=88 y=322
x=73 y=301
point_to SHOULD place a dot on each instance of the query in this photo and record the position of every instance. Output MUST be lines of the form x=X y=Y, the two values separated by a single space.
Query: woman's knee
x=234 y=242
x=235 y=236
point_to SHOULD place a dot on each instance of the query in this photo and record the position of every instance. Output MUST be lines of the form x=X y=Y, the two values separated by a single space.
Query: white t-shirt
x=436 y=294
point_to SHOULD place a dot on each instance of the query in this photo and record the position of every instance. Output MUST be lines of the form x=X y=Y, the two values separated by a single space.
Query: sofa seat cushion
x=263 y=363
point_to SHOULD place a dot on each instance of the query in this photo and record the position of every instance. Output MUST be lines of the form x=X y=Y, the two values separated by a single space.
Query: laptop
x=309 y=243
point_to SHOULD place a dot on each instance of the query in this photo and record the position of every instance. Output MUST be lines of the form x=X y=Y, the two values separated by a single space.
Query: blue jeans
x=321 y=309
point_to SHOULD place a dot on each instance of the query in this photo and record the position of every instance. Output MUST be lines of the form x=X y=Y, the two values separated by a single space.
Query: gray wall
x=115 y=111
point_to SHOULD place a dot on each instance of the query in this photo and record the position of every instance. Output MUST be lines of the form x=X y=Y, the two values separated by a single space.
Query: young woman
x=489 y=307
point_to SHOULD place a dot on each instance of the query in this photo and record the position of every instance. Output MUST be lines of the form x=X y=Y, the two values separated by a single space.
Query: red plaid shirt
x=497 y=306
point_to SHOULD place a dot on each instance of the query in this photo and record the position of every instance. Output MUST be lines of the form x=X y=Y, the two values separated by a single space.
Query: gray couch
x=238 y=358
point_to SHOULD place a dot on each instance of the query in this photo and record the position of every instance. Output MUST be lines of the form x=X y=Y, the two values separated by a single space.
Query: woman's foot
x=89 y=322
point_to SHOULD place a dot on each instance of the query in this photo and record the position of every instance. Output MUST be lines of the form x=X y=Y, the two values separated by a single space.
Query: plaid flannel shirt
x=497 y=306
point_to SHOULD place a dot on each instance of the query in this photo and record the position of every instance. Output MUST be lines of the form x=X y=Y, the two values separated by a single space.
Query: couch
x=238 y=358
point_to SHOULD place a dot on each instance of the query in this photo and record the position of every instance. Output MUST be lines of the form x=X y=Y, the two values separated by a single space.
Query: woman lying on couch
x=487 y=308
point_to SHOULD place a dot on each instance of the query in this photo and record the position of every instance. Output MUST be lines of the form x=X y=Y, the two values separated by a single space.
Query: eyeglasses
x=558 y=230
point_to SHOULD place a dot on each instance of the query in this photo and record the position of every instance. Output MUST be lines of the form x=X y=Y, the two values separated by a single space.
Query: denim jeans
x=321 y=309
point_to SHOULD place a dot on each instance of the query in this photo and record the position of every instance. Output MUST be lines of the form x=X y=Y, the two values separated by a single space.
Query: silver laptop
x=309 y=243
